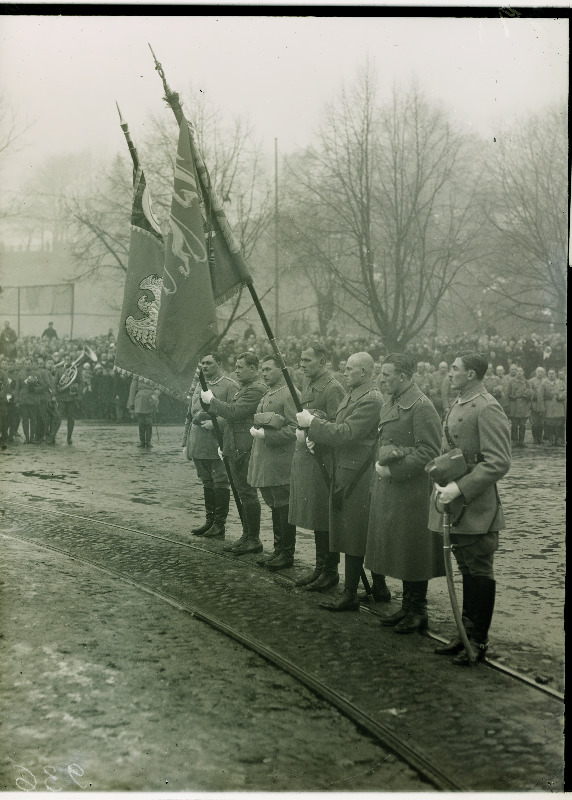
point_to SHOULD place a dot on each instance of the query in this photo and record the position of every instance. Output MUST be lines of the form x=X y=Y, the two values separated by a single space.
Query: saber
x=447 y=547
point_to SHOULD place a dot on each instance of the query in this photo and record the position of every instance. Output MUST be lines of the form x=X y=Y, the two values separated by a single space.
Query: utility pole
x=276 y=264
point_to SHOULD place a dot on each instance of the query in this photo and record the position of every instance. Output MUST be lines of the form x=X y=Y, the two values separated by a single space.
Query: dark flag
x=201 y=270
x=136 y=350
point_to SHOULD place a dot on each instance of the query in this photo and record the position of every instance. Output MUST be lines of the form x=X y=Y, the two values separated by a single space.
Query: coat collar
x=390 y=410
x=358 y=391
x=321 y=382
x=471 y=393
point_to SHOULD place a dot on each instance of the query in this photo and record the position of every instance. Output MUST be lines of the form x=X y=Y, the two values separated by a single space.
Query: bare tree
x=11 y=135
x=391 y=182
x=236 y=169
x=527 y=211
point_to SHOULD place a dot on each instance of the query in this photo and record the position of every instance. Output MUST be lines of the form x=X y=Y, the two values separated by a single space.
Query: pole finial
x=121 y=120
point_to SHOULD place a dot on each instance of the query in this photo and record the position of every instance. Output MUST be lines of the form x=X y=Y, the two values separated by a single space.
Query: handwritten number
x=75 y=769
x=52 y=776
x=22 y=782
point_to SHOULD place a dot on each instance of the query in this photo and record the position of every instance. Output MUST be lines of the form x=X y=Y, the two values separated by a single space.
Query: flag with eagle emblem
x=136 y=347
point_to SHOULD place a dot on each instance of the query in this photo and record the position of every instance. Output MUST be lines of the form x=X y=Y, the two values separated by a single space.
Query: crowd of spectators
x=104 y=393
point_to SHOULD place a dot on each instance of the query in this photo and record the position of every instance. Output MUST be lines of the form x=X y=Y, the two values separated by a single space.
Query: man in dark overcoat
x=353 y=436
x=399 y=543
x=478 y=425
x=237 y=444
x=309 y=492
x=274 y=440
x=203 y=449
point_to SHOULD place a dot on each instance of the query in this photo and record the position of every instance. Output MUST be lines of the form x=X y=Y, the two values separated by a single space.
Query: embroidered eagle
x=144 y=331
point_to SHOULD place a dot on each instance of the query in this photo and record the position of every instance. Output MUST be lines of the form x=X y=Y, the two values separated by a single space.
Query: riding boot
x=288 y=543
x=228 y=546
x=349 y=600
x=209 y=495
x=252 y=543
x=222 y=504
x=456 y=645
x=416 y=618
x=148 y=434
x=321 y=540
x=379 y=591
x=401 y=613
x=277 y=532
x=329 y=576
x=70 y=427
x=484 y=590
x=141 y=435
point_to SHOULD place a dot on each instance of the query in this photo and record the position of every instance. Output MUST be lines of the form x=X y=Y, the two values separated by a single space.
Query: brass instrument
x=70 y=374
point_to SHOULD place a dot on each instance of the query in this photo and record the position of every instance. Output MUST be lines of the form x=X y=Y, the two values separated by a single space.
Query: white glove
x=304 y=418
x=220 y=455
x=310 y=445
x=207 y=424
x=257 y=433
x=382 y=470
x=207 y=397
x=300 y=435
x=446 y=494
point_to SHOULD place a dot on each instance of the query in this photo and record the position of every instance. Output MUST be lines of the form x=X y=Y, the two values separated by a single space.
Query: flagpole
x=136 y=166
x=173 y=100
x=130 y=145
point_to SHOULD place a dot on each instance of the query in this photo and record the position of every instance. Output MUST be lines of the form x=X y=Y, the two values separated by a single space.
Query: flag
x=203 y=264
x=136 y=347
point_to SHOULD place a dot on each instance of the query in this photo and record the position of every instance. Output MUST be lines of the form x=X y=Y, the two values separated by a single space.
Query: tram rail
x=491 y=663
x=357 y=672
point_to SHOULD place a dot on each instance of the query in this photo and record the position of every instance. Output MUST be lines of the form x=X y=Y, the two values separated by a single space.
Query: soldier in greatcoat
x=399 y=543
x=237 y=444
x=29 y=389
x=537 y=406
x=143 y=401
x=203 y=448
x=353 y=436
x=309 y=491
x=519 y=395
x=478 y=426
x=274 y=439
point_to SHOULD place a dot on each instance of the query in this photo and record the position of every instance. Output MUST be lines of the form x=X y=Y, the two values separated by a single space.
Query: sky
x=61 y=75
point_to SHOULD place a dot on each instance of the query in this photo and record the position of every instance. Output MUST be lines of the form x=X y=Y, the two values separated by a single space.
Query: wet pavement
x=103 y=476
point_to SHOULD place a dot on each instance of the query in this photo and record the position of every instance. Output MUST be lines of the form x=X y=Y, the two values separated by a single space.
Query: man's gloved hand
x=382 y=470
x=207 y=424
x=304 y=418
x=207 y=397
x=257 y=433
x=220 y=455
x=446 y=494
x=310 y=445
x=300 y=435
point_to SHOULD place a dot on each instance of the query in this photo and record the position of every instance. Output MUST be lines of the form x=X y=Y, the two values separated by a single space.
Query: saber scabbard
x=451 y=586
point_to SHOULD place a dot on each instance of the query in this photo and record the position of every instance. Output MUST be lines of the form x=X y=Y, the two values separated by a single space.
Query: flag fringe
x=153 y=384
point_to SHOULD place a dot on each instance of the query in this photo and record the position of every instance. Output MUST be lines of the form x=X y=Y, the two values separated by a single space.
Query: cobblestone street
x=109 y=691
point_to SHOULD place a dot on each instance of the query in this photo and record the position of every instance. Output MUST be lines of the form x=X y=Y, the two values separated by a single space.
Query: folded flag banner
x=173 y=286
x=136 y=348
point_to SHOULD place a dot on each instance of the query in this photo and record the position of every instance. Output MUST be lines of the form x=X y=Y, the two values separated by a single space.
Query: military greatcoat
x=353 y=435
x=477 y=425
x=309 y=492
x=271 y=457
x=399 y=542
x=202 y=441
x=239 y=414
